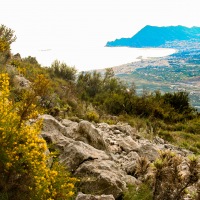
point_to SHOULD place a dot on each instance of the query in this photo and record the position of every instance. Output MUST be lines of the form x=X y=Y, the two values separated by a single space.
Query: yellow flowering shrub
x=4 y=46
x=24 y=171
x=32 y=98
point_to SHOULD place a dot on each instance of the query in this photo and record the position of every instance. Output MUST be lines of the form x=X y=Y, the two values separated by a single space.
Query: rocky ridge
x=103 y=156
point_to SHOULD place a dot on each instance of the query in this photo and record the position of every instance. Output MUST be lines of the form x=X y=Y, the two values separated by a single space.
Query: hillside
x=63 y=134
x=153 y=36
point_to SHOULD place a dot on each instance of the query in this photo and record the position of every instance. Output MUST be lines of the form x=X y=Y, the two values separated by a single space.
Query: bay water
x=85 y=58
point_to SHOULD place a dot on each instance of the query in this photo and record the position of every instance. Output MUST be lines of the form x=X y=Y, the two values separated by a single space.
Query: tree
x=7 y=37
x=31 y=60
x=61 y=70
x=89 y=84
x=7 y=34
x=178 y=100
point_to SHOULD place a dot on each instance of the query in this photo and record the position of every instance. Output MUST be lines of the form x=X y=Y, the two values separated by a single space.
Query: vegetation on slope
x=164 y=179
x=26 y=171
x=59 y=91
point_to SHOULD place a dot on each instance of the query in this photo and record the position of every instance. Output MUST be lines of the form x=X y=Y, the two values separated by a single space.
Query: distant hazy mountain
x=153 y=36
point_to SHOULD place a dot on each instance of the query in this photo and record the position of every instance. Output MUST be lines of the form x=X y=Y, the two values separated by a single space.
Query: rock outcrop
x=20 y=82
x=82 y=196
x=102 y=155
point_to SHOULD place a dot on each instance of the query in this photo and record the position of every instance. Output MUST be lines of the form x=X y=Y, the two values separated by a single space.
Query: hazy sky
x=47 y=24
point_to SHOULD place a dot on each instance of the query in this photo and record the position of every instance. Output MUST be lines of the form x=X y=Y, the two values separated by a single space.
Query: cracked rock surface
x=102 y=155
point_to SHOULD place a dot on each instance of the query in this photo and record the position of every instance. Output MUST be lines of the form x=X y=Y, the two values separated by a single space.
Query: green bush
x=141 y=192
x=24 y=166
x=61 y=70
x=166 y=135
x=92 y=116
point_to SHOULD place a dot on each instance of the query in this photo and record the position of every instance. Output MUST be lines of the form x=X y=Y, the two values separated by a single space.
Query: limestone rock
x=148 y=150
x=20 y=82
x=103 y=156
x=101 y=177
x=90 y=135
x=82 y=196
x=54 y=127
x=77 y=152
x=52 y=132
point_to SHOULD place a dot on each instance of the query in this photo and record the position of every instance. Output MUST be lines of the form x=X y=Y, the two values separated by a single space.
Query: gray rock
x=124 y=128
x=77 y=152
x=159 y=140
x=20 y=82
x=52 y=132
x=89 y=134
x=54 y=127
x=131 y=180
x=82 y=196
x=71 y=126
x=148 y=150
x=103 y=156
x=127 y=144
x=101 y=177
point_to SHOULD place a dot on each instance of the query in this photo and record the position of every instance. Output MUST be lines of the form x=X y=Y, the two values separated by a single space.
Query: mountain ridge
x=154 y=36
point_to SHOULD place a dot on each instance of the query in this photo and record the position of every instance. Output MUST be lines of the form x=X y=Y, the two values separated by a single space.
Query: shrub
x=24 y=171
x=142 y=192
x=92 y=116
x=179 y=101
x=170 y=177
x=169 y=180
x=115 y=104
x=6 y=39
x=166 y=136
x=63 y=71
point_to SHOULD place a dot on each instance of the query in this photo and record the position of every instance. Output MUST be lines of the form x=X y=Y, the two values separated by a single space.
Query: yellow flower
x=70 y=194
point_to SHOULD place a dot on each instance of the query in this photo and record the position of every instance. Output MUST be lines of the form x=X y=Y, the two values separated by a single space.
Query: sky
x=64 y=24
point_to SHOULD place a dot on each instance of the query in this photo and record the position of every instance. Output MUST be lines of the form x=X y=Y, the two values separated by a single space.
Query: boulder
x=20 y=82
x=82 y=196
x=149 y=151
x=54 y=127
x=77 y=152
x=89 y=134
x=52 y=132
x=102 y=156
x=101 y=177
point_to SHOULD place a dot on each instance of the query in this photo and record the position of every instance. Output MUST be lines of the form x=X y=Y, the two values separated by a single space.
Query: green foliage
x=89 y=85
x=117 y=98
x=7 y=34
x=179 y=101
x=31 y=60
x=115 y=104
x=167 y=136
x=6 y=39
x=142 y=192
x=24 y=171
x=92 y=116
x=167 y=178
x=106 y=92
x=61 y=70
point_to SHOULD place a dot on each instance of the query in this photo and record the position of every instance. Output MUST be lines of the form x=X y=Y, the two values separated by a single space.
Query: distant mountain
x=153 y=36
